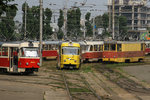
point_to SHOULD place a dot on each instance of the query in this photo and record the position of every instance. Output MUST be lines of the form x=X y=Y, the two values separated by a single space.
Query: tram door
x=13 y=59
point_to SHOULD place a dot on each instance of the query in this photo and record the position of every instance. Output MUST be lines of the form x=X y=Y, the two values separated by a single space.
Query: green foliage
x=73 y=22
x=47 y=30
x=98 y=21
x=60 y=19
x=4 y=6
x=88 y=24
x=60 y=34
x=105 y=19
x=60 y=24
x=89 y=28
x=7 y=24
x=33 y=24
x=122 y=26
x=87 y=16
x=105 y=24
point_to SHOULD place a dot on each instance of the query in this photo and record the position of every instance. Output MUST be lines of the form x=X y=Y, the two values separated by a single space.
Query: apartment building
x=137 y=13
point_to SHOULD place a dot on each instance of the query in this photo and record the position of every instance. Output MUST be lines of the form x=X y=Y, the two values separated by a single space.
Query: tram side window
x=45 y=47
x=53 y=47
x=118 y=47
x=106 y=47
x=100 y=48
x=148 y=46
x=91 y=48
x=95 y=47
x=113 y=47
x=4 y=51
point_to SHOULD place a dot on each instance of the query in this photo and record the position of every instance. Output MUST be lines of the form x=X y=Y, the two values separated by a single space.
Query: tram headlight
x=64 y=60
x=75 y=61
x=114 y=56
x=27 y=63
x=104 y=56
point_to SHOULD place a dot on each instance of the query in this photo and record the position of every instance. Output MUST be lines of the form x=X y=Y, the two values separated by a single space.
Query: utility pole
x=113 y=19
x=65 y=19
x=93 y=27
x=41 y=29
x=109 y=27
x=84 y=27
x=25 y=22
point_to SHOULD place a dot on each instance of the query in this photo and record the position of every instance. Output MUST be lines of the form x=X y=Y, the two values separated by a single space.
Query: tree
x=122 y=26
x=7 y=24
x=105 y=24
x=99 y=21
x=60 y=24
x=4 y=6
x=47 y=29
x=105 y=19
x=60 y=19
x=88 y=24
x=73 y=22
x=32 y=24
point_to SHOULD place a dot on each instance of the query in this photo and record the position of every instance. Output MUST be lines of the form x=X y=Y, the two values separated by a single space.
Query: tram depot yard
x=94 y=81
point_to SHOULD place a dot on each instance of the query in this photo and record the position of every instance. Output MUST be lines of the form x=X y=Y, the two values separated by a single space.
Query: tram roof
x=18 y=44
x=92 y=42
x=147 y=41
x=122 y=42
x=51 y=42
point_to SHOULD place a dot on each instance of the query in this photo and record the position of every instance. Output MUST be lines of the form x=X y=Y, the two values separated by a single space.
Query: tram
x=69 y=55
x=147 y=49
x=50 y=49
x=92 y=51
x=19 y=57
x=123 y=51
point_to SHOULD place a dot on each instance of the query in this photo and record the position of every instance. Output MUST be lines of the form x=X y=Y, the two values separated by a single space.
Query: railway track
x=67 y=88
x=75 y=95
x=129 y=85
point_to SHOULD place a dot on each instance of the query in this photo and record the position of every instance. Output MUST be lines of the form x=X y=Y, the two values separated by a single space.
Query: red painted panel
x=49 y=53
x=110 y=54
x=32 y=63
x=147 y=50
x=4 y=62
x=91 y=55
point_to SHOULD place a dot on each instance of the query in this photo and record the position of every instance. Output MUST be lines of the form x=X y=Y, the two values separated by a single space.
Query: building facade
x=137 y=13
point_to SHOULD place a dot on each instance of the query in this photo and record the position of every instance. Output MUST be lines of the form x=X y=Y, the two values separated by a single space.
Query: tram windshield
x=30 y=52
x=70 y=50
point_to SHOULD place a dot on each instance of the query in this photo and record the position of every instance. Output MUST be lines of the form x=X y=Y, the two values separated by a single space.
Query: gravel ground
x=141 y=72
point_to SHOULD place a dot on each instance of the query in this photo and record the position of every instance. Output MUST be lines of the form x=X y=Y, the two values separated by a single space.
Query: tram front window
x=30 y=52
x=70 y=50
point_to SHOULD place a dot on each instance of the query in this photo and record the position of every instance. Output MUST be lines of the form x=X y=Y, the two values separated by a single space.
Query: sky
x=99 y=5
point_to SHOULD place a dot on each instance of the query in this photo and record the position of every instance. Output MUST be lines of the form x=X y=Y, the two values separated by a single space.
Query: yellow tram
x=69 y=55
x=123 y=51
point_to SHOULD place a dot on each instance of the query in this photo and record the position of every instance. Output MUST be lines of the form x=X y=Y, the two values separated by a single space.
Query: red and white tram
x=92 y=51
x=50 y=49
x=19 y=57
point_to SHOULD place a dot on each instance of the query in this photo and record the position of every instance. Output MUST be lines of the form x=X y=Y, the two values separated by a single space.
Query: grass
x=87 y=67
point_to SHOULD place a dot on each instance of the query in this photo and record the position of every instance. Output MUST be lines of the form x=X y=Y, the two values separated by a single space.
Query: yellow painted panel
x=131 y=47
x=72 y=44
x=132 y=59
